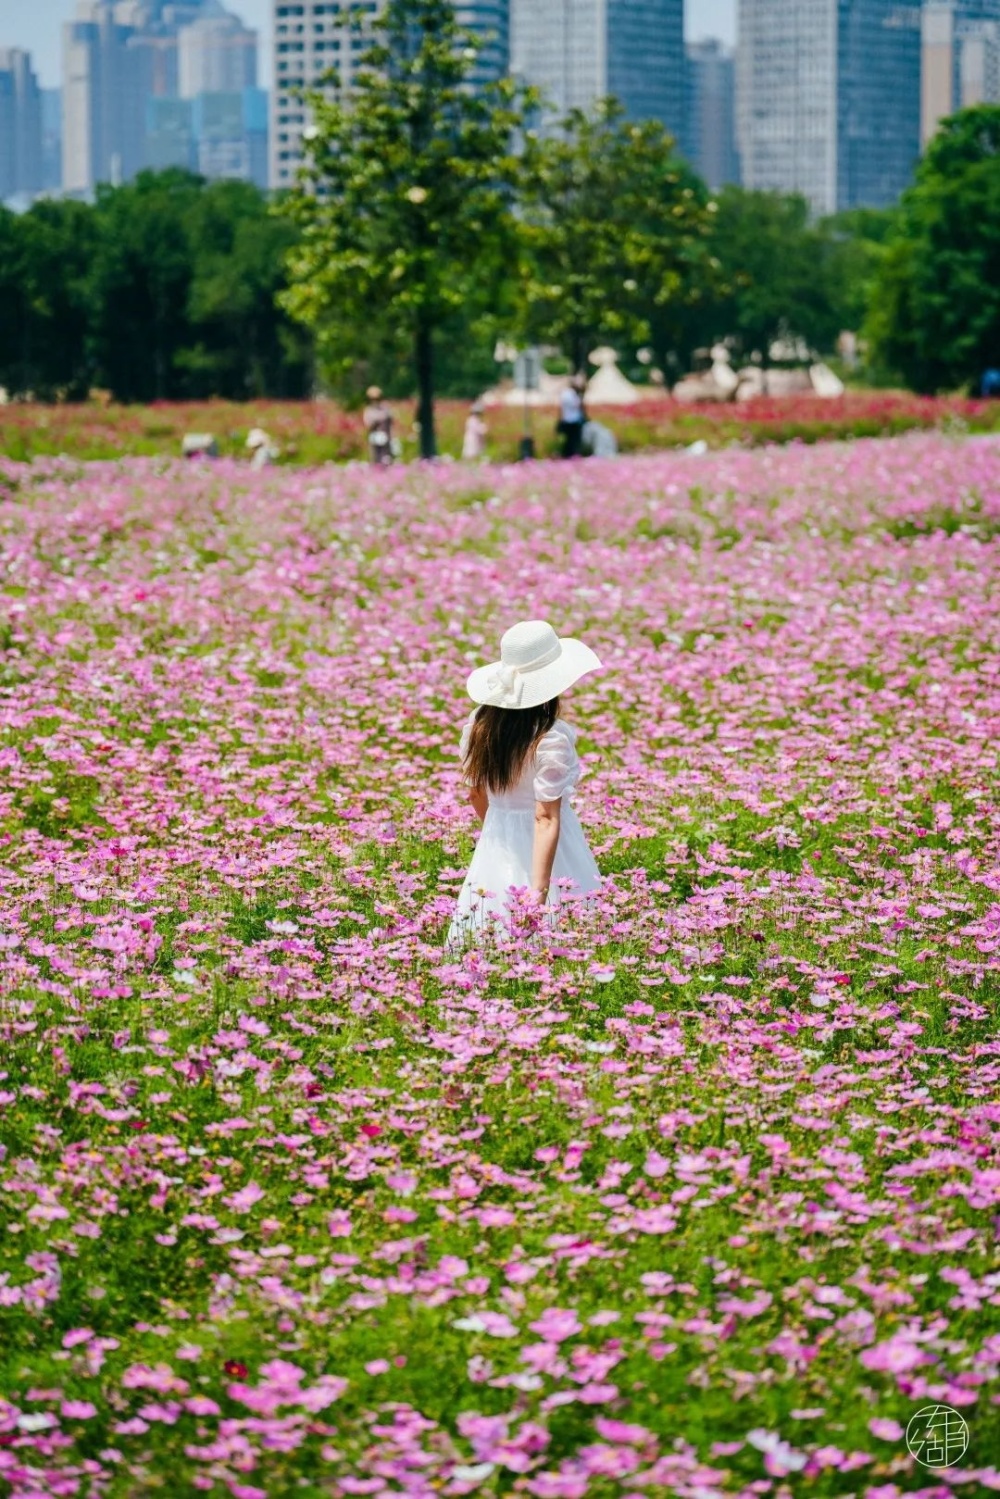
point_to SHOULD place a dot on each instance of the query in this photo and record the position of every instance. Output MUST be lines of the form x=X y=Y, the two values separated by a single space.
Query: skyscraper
x=709 y=135
x=490 y=19
x=579 y=51
x=217 y=54
x=960 y=63
x=20 y=125
x=102 y=130
x=828 y=98
x=311 y=37
x=127 y=67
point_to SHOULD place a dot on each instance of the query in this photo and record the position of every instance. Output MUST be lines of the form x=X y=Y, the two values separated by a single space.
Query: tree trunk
x=425 y=389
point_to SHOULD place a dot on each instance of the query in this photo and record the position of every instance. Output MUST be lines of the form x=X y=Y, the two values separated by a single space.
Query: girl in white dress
x=520 y=764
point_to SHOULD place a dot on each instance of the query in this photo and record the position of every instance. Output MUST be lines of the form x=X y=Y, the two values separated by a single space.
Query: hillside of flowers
x=314 y=432
x=696 y=1193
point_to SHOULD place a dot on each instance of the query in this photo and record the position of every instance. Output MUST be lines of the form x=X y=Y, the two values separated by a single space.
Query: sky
x=35 y=25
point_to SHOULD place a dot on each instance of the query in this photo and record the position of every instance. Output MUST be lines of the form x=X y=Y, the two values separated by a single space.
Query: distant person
x=990 y=386
x=263 y=452
x=572 y=417
x=377 y=418
x=474 y=438
x=601 y=441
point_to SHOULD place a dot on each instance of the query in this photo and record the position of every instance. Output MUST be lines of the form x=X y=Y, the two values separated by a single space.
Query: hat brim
x=573 y=662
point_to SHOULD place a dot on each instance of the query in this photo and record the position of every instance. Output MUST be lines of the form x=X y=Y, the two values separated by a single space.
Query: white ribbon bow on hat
x=507 y=680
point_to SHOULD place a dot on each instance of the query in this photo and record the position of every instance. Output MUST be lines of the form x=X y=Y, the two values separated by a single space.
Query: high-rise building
x=230 y=133
x=217 y=54
x=115 y=54
x=20 y=125
x=960 y=63
x=169 y=134
x=709 y=134
x=828 y=98
x=312 y=38
x=51 y=139
x=129 y=67
x=580 y=51
x=490 y=19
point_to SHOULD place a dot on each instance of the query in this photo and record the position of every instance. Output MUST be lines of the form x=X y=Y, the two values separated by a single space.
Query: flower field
x=315 y=432
x=696 y=1194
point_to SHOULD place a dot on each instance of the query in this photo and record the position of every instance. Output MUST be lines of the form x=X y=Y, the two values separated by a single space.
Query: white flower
x=35 y=1421
x=469 y=1324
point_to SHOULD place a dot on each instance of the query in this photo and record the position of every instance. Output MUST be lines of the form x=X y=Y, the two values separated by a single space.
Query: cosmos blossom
x=693 y=1192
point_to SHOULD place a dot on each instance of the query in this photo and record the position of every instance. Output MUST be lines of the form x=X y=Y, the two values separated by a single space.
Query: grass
x=310 y=433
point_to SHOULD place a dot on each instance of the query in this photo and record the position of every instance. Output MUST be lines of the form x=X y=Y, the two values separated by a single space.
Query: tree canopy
x=162 y=289
x=935 y=309
x=614 y=228
x=405 y=217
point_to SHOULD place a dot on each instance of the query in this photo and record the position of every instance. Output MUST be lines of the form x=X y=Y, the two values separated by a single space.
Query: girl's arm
x=480 y=801
x=547 y=824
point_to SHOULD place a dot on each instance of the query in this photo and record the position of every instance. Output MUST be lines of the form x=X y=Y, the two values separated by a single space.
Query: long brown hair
x=502 y=739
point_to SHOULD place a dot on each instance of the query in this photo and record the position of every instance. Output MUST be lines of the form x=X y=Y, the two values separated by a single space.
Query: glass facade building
x=579 y=51
x=828 y=98
x=313 y=37
x=708 y=139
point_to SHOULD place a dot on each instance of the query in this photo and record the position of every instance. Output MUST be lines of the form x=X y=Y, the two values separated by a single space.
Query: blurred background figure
x=377 y=418
x=263 y=452
x=476 y=432
x=990 y=385
x=600 y=439
x=572 y=417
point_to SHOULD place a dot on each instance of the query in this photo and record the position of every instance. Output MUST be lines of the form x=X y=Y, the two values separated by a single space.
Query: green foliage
x=163 y=289
x=935 y=312
x=405 y=215
x=45 y=258
x=778 y=274
x=615 y=227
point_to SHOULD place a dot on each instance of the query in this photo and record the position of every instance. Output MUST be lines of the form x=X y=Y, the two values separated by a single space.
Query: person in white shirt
x=572 y=417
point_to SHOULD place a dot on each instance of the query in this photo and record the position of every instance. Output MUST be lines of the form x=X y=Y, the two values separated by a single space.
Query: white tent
x=609 y=387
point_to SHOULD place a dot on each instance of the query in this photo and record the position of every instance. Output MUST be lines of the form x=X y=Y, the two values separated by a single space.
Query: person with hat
x=520 y=765
x=377 y=417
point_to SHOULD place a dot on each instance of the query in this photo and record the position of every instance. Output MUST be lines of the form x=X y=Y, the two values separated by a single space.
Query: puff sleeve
x=557 y=766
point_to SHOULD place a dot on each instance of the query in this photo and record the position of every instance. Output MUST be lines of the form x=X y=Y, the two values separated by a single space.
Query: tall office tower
x=960 y=58
x=217 y=54
x=709 y=135
x=169 y=134
x=579 y=51
x=230 y=133
x=20 y=125
x=311 y=37
x=490 y=19
x=828 y=98
x=51 y=139
x=102 y=117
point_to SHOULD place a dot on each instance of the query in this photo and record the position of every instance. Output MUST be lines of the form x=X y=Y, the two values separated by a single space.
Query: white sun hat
x=534 y=667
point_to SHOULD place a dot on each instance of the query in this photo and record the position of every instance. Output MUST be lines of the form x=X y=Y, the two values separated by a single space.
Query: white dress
x=503 y=854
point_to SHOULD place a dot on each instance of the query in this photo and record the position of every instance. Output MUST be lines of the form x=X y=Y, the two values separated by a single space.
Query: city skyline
x=37 y=28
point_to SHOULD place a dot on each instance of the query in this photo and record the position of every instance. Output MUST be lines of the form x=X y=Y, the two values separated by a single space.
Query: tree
x=776 y=267
x=46 y=257
x=405 y=212
x=240 y=344
x=142 y=281
x=182 y=290
x=935 y=313
x=614 y=225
